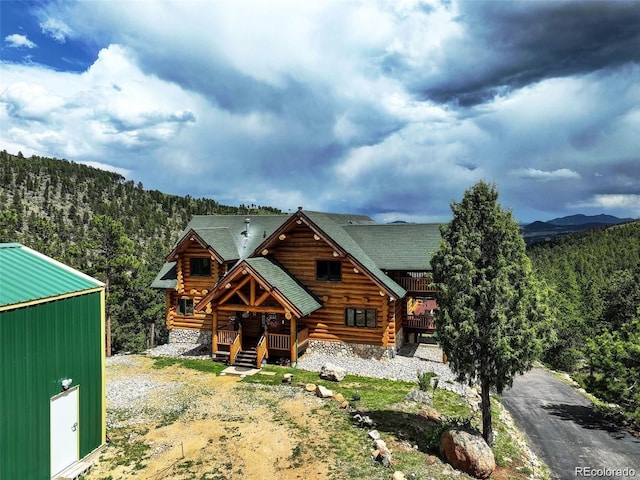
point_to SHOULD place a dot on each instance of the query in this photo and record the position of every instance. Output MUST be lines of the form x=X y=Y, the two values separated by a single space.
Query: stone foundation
x=181 y=335
x=342 y=349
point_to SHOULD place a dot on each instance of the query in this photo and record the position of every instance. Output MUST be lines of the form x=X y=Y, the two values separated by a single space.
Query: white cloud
x=92 y=116
x=614 y=201
x=30 y=101
x=16 y=40
x=545 y=176
x=109 y=168
x=56 y=29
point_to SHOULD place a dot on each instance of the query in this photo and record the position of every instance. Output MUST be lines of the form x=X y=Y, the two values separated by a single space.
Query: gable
x=188 y=241
x=264 y=279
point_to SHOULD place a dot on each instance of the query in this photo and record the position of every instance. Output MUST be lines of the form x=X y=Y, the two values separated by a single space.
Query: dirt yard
x=167 y=420
x=208 y=427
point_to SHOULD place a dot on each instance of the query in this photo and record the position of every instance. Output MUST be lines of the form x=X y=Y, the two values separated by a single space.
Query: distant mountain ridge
x=539 y=231
x=581 y=219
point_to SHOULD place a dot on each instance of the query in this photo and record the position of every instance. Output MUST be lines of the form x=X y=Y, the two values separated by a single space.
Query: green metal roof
x=281 y=280
x=27 y=276
x=402 y=246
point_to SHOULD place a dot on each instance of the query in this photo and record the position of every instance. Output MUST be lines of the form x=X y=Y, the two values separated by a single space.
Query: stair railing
x=262 y=350
x=235 y=347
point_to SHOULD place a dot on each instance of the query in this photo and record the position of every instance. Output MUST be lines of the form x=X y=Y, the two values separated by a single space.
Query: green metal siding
x=39 y=346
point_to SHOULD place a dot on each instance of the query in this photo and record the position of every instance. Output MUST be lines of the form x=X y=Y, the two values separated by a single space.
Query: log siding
x=298 y=252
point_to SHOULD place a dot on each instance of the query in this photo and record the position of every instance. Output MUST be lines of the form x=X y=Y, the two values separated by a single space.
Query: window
x=185 y=306
x=328 y=270
x=201 y=266
x=360 y=317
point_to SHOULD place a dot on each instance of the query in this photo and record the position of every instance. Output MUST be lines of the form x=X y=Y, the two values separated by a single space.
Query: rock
x=383 y=453
x=431 y=415
x=287 y=378
x=344 y=405
x=332 y=372
x=430 y=459
x=363 y=421
x=419 y=396
x=398 y=475
x=323 y=392
x=338 y=397
x=467 y=452
x=374 y=435
x=310 y=387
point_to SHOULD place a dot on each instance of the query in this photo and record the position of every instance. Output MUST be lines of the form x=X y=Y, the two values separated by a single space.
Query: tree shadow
x=587 y=417
x=409 y=427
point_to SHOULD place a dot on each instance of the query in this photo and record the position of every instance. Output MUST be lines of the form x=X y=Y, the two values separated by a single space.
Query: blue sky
x=391 y=109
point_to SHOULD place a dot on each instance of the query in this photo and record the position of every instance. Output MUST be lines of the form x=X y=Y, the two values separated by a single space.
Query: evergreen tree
x=488 y=317
x=114 y=252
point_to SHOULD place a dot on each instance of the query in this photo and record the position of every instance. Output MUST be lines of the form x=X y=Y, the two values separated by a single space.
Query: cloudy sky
x=391 y=109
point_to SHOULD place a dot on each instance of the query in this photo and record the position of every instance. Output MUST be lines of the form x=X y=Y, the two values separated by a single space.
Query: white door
x=64 y=430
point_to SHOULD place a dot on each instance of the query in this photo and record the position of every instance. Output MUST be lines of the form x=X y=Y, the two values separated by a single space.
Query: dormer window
x=201 y=266
x=328 y=270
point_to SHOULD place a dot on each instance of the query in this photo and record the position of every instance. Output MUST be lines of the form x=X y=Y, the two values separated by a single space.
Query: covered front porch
x=256 y=311
x=258 y=337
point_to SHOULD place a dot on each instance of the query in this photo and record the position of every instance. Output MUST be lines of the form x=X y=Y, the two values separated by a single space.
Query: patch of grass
x=171 y=416
x=374 y=393
x=424 y=380
x=127 y=449
x=207 y=366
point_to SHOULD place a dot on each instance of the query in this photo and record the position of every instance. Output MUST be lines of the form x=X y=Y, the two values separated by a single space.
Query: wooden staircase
x=246 y=358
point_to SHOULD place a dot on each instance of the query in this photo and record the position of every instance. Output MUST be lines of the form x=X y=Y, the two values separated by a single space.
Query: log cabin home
x=260 y=287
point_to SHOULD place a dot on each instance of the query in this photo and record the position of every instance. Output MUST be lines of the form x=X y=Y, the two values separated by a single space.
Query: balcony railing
x=416 y=284
x=420 y=323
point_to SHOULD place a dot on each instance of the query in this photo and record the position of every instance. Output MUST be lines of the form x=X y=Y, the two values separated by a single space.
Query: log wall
x=298 y=253
x=191 y=286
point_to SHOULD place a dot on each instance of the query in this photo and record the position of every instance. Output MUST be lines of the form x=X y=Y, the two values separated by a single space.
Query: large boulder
x=332 y=372
x=467 y=452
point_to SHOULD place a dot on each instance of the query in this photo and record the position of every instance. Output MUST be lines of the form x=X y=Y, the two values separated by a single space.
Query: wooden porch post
x=214 y=332
x=294 y=340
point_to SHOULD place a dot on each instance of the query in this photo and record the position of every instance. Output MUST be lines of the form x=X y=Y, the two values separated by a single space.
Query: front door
x=64 y=430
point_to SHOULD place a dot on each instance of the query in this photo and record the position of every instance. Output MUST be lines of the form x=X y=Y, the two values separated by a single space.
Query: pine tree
x=488 y=317
x=115 y=254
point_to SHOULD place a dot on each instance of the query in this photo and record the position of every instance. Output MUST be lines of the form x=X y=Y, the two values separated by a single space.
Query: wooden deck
x=416 y=284
x=420 y=324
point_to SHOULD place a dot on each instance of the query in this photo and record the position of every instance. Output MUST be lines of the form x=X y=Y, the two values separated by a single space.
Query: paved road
x=566 y=433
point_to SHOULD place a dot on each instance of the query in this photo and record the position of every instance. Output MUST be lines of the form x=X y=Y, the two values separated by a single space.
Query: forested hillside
x=104 y=225
x=594 y=281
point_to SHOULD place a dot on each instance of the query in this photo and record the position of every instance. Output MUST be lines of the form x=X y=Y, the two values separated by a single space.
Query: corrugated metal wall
x=39 y=346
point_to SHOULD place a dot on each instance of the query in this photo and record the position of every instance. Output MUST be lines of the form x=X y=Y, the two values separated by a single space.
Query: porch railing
x=236 y=347
x=262 y=351
x=226 y=337
x=303 y=337
x=279 y=341
x=421 y=322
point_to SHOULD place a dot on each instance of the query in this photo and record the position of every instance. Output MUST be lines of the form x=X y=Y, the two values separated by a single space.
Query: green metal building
x=52 y=384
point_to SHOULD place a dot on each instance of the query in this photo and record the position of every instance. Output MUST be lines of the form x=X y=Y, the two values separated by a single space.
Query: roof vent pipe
x=247 y=221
